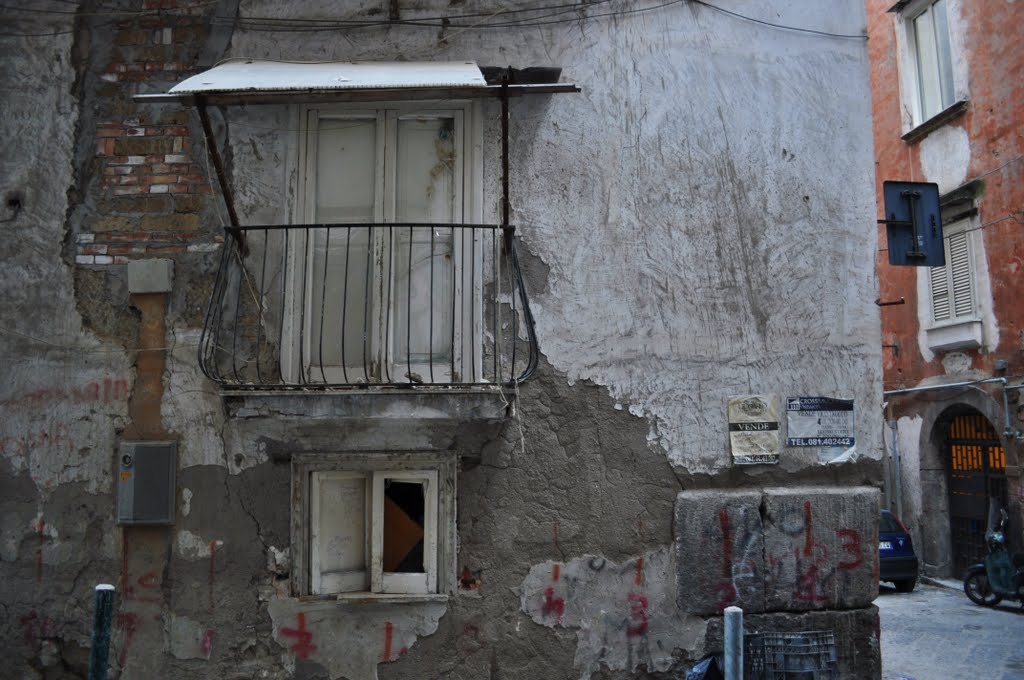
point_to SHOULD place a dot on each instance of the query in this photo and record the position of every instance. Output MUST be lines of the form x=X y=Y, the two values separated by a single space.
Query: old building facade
x=947 y=110
x=330 y=384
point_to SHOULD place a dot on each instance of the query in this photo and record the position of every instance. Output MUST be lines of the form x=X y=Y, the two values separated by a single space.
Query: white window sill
x=372 y=598
x=922 y=129
x=958 y=334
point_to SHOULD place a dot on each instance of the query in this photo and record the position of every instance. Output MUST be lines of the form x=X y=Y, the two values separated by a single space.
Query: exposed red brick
x=166 y=250
x=138 y=146
x=141 y=204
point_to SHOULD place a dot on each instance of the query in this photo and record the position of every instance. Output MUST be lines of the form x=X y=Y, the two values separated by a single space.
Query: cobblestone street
x=936 y=633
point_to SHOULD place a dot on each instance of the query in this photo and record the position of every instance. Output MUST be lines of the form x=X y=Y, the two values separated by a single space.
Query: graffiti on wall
x=624 y=613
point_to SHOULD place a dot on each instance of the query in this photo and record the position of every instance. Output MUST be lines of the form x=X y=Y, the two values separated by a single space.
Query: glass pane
x=888 y=525
x=340 y=299
x=927 y=64
x=340 y=533
x=424 y=289
x=404 y=513
x=943 y=53
x=345 y=179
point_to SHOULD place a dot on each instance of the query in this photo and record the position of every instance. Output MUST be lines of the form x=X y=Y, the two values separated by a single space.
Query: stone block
x=855 y=633
x=820 y=547
x=719 y=551
x=150 y=276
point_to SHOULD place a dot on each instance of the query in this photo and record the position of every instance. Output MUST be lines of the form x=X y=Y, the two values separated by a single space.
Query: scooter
x=999 y=577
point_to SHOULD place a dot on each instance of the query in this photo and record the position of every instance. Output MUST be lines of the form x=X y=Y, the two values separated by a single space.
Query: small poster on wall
x=822 y=422
x=754 y=429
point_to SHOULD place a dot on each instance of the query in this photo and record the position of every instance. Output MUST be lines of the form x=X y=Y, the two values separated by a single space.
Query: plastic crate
x=808 y=655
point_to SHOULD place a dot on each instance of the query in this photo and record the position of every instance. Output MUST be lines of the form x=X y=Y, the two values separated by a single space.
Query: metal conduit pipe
x=1007 y=430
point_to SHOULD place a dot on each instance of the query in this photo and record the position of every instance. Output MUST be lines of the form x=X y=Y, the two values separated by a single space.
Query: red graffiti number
x=638 y=623
x=851 y=545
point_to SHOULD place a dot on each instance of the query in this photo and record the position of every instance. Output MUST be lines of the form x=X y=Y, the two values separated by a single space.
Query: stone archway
x=975 y=472
x=936 y=464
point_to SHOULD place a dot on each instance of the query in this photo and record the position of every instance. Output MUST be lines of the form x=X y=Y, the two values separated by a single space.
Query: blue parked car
x=896 y=559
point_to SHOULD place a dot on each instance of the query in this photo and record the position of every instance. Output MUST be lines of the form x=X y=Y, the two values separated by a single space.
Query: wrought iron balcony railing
x=368 y=305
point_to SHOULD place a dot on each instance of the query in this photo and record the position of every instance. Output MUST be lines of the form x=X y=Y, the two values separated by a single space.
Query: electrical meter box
x=146 y=483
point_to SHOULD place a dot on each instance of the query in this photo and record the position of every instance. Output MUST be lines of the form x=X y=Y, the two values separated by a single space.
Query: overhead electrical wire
x=546 y=15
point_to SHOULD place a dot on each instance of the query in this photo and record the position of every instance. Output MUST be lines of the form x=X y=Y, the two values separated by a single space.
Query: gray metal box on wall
x=146 y=482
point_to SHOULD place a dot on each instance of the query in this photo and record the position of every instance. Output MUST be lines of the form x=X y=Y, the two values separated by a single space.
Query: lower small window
x=373 y=523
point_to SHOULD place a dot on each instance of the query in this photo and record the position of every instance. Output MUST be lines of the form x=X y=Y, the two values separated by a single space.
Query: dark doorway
x=977 y=471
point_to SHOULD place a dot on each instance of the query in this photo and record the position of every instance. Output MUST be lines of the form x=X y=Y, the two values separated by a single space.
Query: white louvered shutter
x=960 y=276
x=940 y=294
x=952 y=297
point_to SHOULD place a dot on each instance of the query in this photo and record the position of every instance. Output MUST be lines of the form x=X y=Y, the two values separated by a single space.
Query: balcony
x=368 y=307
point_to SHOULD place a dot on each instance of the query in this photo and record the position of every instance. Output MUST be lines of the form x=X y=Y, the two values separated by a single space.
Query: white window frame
x=963 y=330
x=436 y=471
x=956 y=276
x=469 y=196
x=910 y=71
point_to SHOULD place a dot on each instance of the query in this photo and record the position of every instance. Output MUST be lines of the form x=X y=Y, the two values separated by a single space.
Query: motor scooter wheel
x=978 y=590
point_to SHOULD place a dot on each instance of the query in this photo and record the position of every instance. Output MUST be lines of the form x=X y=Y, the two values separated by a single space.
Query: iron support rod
x=895 y=463
x=505 y=205
x=1007 y=430
x=218 y=165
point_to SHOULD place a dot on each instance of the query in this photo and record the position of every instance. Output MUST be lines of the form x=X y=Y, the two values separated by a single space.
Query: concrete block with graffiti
x=776 y=550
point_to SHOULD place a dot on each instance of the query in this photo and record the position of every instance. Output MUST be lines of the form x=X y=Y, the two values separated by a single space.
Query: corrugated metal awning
x=255 y=81
x=280 y=76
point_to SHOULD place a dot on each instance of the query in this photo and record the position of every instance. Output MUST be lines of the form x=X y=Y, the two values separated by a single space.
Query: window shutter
x=960 y=275
x=940 y=294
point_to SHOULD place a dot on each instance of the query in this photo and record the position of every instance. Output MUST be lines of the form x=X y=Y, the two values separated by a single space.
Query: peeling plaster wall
x=693 y=204
x=690 y=232
x=623 y=614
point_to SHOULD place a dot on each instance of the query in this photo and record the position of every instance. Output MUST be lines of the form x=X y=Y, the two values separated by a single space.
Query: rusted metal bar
x=218 y=165
x=505 y=205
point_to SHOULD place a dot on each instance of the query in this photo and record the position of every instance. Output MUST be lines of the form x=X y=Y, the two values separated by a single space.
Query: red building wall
x=994 y=123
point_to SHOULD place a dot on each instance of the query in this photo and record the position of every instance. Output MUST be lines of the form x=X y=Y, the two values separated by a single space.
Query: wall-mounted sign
x=913 y=223
x=754 y=429
x=820 y=421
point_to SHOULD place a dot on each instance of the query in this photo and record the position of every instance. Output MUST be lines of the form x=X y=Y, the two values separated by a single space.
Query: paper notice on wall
x=754 y=429
x=822 y=422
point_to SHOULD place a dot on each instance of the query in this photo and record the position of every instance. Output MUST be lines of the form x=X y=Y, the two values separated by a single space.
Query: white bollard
x=733 y=643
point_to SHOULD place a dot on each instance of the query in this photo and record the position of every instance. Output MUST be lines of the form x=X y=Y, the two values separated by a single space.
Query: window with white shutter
x=959 y=290
x=952 y=289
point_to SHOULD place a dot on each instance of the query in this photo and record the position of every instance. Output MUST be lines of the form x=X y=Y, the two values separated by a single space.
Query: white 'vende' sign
x=754 y=429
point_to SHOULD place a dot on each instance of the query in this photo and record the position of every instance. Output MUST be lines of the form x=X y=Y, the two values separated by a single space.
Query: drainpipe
x=897 y=481
x=1007 y=430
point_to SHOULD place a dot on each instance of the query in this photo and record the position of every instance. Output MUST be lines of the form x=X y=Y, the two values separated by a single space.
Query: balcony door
x=382 y=292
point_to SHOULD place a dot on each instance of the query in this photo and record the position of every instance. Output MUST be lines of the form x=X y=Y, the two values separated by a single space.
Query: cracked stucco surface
x=700 y=242
x=688 y=243
x=624 y=613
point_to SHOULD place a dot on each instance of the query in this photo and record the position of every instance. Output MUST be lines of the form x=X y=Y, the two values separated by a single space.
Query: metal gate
x=977 y=470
